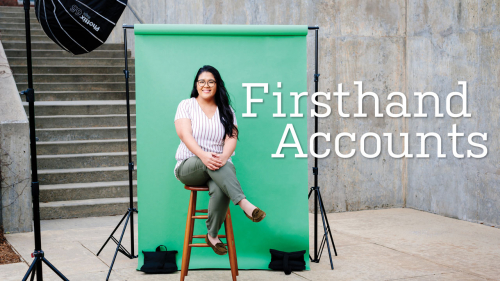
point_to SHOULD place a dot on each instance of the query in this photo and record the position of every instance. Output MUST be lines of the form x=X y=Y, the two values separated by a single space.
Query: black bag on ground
x=79 y=26
x=160 y=261
x=287 y=262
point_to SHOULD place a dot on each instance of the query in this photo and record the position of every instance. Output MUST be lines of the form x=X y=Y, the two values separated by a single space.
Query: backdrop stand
x=317 y=193
x=36 y=266
x=318 y=201
x=129 y=215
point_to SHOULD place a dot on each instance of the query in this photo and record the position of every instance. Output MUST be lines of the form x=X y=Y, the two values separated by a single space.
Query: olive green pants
x=222 y=184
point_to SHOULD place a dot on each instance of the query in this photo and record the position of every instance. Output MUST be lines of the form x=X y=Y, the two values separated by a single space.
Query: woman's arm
x=229 y=147
x=185 y=133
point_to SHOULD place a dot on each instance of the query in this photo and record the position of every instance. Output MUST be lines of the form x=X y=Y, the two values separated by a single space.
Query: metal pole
x=30 y=98
x=130 y=163
x=315 y=169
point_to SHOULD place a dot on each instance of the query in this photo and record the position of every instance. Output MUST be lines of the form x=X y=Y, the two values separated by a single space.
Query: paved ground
x=393 y=244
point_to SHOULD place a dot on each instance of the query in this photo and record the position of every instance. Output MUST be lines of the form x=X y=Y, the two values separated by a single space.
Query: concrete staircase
x=80 y=121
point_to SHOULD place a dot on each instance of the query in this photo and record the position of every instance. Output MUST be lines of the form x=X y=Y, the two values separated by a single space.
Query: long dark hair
x=222 y=100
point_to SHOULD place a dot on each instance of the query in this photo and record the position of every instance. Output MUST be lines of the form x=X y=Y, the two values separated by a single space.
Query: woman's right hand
x=211 y=160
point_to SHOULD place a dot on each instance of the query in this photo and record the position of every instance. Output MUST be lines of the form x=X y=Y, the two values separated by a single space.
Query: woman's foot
x=252 y=212
x=246 y=206
x=213 y=240
x=257 y=215
x=216 y=245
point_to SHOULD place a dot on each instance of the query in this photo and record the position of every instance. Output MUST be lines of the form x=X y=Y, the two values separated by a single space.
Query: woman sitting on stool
x=206 y=125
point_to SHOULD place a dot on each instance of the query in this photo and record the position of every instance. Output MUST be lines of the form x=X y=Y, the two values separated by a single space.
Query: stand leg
x=328 y=226
x=33 y=274
x=31 y=269
x=131 y=254
x=316 y=257
x=321 y=247
x=38 y=266
x=119 y=244
x=308 y=197
x=112 y=233
x=54 y=269
x=323 y=217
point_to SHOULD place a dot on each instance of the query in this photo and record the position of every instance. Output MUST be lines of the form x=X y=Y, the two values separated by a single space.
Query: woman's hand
x=222 y=158
x=211 y=160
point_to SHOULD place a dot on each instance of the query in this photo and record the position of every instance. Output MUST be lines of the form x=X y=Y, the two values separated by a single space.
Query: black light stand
x=36 y=266
x=131 y=210
x=315 y=188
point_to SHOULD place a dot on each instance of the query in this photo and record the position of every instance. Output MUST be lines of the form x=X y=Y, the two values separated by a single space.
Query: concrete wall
x=398 y=45
x=15 y=193
x=457 y=40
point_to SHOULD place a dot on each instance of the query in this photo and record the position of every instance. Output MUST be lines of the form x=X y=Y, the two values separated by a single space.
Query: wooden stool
x=188 y=237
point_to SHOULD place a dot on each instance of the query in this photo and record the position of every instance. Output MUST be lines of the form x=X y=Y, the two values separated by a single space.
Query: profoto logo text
x=84 y=17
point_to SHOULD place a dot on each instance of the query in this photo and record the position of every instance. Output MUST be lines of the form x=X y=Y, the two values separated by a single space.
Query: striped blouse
x=208 y=132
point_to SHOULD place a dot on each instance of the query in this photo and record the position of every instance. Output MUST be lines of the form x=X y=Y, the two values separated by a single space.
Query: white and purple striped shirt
x=208 y=132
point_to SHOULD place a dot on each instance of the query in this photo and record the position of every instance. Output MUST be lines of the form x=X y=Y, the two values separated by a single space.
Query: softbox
x=76 y=26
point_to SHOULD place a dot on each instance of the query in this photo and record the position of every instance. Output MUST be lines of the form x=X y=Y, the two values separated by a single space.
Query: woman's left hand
x=222 y=158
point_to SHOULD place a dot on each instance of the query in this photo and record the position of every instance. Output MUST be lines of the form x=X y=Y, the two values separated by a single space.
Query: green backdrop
x=167 y=59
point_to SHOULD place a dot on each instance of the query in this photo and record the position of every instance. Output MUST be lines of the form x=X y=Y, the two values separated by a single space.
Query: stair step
x=80 y=175
x=50 y=108
x=85 y=160
x=80 y=95
x=17 y=19
x=61 y=69
x=20 y=31
x=83 y=191
x=83 y=121
x=84 y=146
x=14 y=9
x=74 y=78
x=73 y=61
x=19 y=12
x=7 y=25
x=95 y=133
x=64 y=54
x=85 y=208
x=83 y=86
x=19 y=37
x=51 y=45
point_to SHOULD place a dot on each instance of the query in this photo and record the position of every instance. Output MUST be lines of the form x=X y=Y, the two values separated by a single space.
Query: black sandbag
x=287 y=261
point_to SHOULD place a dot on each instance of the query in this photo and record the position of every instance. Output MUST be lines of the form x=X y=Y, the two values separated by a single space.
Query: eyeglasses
x=202 y=83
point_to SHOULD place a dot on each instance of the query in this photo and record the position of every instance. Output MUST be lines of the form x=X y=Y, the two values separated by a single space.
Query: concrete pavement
x=390 y=244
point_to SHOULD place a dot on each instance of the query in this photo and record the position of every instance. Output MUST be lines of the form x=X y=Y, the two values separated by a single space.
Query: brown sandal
x=219 y=248
x=257 y=215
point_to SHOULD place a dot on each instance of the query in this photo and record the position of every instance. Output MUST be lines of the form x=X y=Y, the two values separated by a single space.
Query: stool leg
x=235 y=259
x=229 y=249
x=231 y=245
x=187 y=235
x=193 y=212
x=233 y=248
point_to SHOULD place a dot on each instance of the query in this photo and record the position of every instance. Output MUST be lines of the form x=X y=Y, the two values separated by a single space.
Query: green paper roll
x=166 y=65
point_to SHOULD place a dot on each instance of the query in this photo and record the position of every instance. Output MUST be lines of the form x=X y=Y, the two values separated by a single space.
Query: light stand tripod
x=36 y=266
x=317 y=193
x=130 y=212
